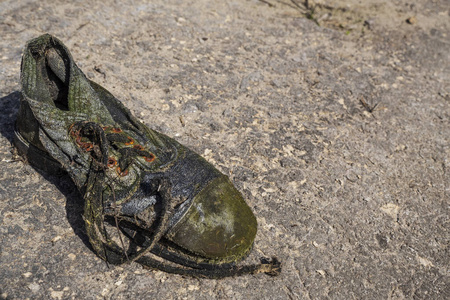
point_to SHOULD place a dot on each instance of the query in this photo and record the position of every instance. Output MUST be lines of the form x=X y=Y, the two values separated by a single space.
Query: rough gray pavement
x=338 y=136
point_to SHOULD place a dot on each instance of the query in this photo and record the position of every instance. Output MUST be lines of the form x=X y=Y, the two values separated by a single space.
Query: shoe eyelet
x=149 y=158
x=111 y=162
x=121 y=173
x=116 y=130
x=87 y=147
x=130 y=141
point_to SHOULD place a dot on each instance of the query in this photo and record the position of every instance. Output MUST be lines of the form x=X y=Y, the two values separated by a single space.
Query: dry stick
x=268 y=3
x=299 y=6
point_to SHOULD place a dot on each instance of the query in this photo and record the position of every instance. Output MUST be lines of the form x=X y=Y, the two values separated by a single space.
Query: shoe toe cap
x=218 y=225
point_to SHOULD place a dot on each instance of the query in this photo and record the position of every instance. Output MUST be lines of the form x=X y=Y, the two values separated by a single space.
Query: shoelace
x=95 y=139
x=85 y=137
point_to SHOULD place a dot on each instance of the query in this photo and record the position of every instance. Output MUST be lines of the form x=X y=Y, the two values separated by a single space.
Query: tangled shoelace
x=92 y=138
x=85 y=135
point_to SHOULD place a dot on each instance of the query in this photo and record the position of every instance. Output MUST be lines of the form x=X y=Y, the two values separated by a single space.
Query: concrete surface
x=352 y=198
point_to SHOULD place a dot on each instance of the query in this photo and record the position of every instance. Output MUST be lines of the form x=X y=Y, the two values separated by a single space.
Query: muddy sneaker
x=164 y=198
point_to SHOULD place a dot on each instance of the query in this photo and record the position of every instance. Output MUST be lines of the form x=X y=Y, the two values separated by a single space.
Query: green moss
x=219 y=225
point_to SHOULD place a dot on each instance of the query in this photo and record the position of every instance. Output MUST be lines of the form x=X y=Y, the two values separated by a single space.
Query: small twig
x=298 y=5
x=268 y=3
x=182 y=121
x=367 y=106
x=82 y=25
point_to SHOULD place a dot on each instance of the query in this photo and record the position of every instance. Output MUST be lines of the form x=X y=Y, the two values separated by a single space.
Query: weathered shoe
x=165 y=198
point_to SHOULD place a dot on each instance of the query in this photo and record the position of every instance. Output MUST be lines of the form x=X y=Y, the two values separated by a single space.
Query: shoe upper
x=78 y=123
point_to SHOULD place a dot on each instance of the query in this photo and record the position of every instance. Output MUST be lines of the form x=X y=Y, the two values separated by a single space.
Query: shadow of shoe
x=9 y=106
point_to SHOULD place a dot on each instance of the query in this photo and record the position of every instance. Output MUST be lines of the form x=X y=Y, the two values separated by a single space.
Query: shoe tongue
x=81 y=96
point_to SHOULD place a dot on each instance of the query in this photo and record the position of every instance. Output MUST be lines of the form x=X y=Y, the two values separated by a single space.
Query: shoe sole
x=36 y=157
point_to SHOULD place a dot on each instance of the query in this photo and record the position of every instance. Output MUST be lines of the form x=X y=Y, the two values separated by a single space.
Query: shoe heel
x=36 y=157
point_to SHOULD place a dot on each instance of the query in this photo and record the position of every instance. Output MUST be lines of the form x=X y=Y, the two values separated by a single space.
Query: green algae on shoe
x=164 y=198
